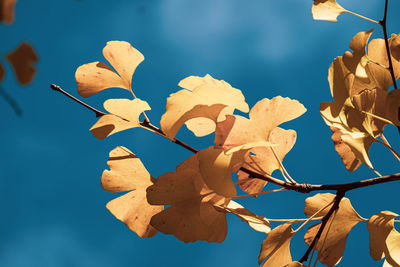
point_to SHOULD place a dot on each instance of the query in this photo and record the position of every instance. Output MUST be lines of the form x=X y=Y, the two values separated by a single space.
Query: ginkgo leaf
x=326 y=10
x=379 y=227
x=372 y=102
x=393 y=106
x=346 y=154
x=124 y=114
x=332 y=241
x=355 y=62
x=258 y=223
x=276 y=247
x=203 y=102
x=23 y=60
x=192 y=215
x=95 y=77
x=377 y=53
x=216 y=168
x=262 y=159
x=266 y=115
x=392 y=252
x=128 y=173
x=2 y=72
x=7 y=11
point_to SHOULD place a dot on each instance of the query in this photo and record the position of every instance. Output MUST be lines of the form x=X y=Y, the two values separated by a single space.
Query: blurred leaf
x=22 y=60
x=7 y=11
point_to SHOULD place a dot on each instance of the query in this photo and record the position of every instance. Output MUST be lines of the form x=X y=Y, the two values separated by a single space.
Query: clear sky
x=53 y=207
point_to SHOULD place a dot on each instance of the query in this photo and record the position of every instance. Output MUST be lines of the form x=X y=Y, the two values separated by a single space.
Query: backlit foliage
x=192 y=202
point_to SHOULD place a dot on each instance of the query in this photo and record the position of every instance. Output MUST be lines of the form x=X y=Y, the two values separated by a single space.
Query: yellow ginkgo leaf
x=332 y=241
x=265 y=116
x=327 y=10
x=128 y=173
x=348 y=157
x=203 y=102
x=379 y=227
x=96 y=77
x=124 y=114
x=276 y=247
x=192 y=215
x=392 y=251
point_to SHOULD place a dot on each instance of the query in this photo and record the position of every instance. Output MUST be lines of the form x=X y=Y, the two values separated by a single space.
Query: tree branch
x=301 y=188
x=382 y=22
x=324 y=221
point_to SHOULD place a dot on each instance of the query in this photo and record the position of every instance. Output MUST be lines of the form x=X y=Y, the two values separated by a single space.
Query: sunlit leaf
x=128 y=173
x=192 y=215
x=379 y=227
x=333 y=238
x=346 y=154
x=95 y=77
x=23 y=60
x=326 y=10
x=216 y=168
x=264 y=160
x=263 y=118
x=203 y=102
x=124 y=114
x=276 y=247
x=7 y=11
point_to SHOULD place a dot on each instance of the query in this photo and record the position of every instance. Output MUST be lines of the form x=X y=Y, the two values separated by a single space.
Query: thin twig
x=11 y=101
x=302 y=188
x=382 y=22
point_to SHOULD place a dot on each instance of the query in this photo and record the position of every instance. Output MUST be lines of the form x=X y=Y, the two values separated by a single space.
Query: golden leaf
x=192 y=214
x=124 y=114
x=326 y=10
x=128 y=173
x=202 y=103
x=95 y=77
x=276 y=247
x=332 y=242
x=379 y=227
x=23 y=60
x=264 y=161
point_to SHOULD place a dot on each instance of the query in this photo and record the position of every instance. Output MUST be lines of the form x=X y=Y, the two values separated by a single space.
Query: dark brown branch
x=302 y=188
x=324 y=221
x=58 y=89
x=382 y=22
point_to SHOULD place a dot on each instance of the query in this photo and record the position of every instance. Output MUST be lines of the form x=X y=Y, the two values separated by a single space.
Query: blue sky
x=53 y=207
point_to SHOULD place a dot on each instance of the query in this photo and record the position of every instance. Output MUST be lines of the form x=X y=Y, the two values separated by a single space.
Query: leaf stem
x=282 y=167
x=387 y=145
x=360 y=16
